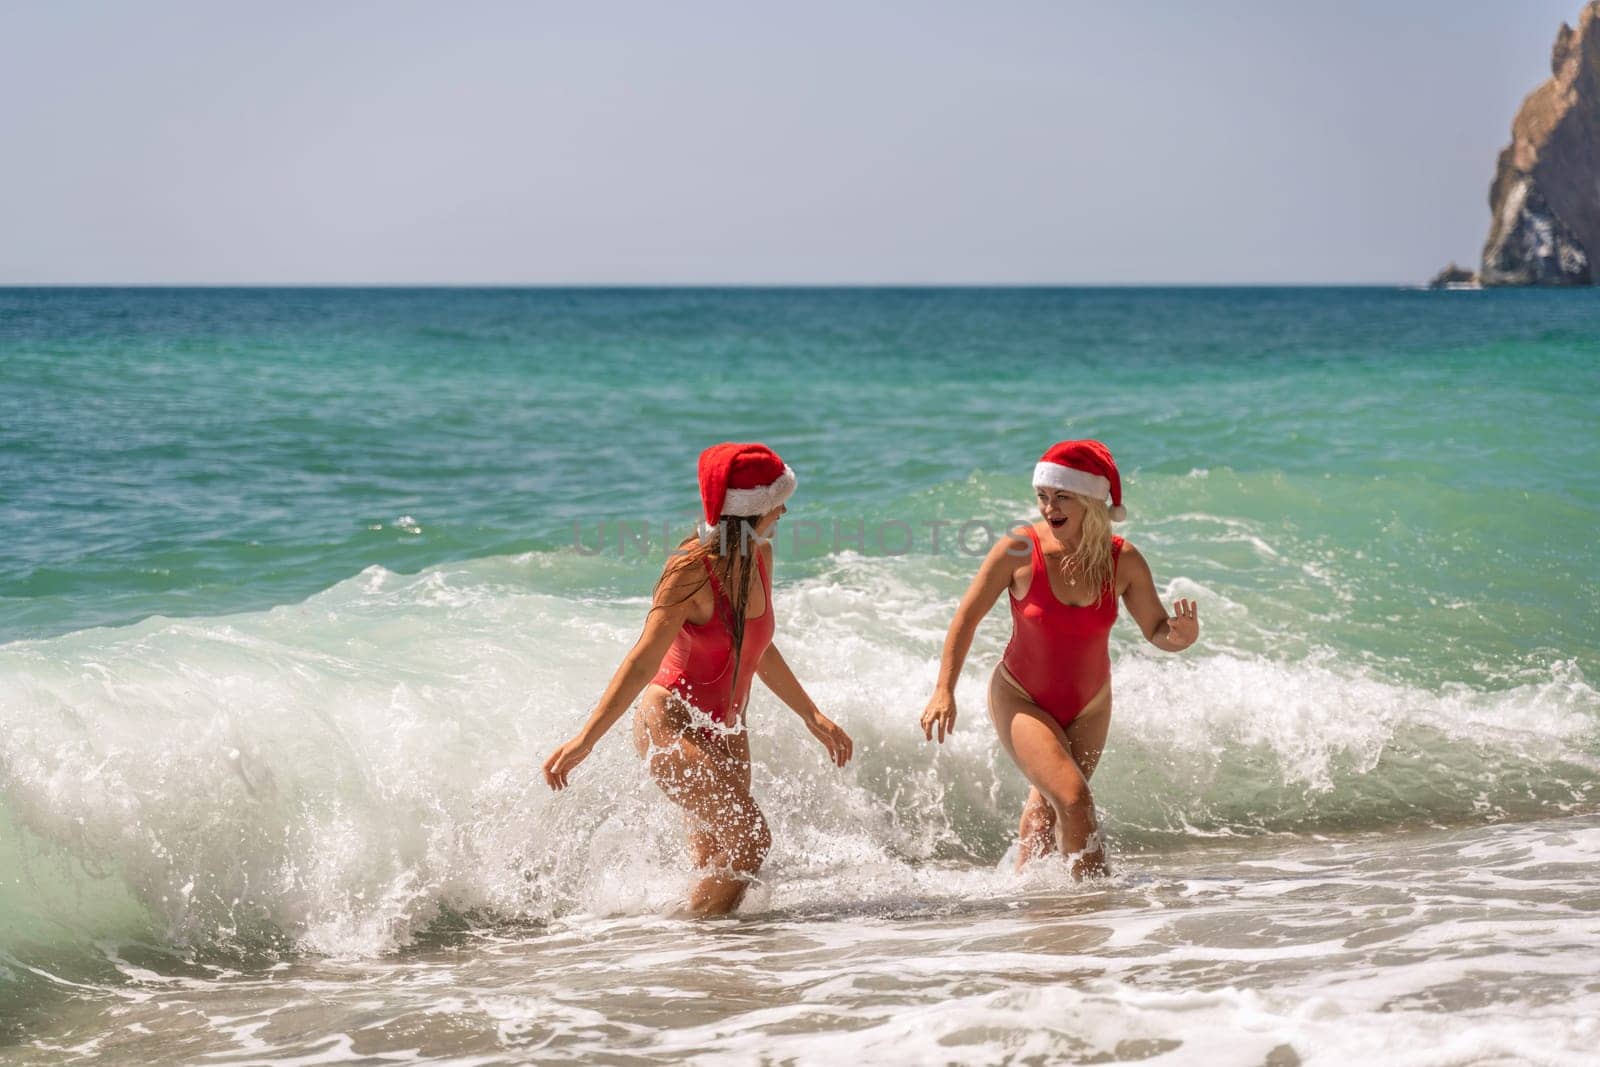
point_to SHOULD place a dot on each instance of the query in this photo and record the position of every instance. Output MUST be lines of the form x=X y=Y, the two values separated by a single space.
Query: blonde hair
x=1092 y=558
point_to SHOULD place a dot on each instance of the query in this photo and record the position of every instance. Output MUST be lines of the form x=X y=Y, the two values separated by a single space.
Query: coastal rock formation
x=1453 y=277
x=1546 y=194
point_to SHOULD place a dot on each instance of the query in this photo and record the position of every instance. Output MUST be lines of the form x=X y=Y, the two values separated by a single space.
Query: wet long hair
x=730 y=547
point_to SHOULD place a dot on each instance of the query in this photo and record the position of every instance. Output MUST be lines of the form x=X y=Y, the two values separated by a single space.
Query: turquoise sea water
x=297 y=588
x=184 y=452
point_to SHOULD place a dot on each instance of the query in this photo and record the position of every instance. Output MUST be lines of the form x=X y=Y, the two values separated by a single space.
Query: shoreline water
x=1278 y=948
x=289 y=613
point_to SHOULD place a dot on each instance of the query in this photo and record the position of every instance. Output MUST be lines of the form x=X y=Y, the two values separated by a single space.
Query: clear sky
x=757 y=142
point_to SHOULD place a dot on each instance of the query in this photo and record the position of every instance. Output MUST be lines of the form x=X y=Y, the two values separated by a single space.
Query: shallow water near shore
x=301 y=587
x=1364 y=948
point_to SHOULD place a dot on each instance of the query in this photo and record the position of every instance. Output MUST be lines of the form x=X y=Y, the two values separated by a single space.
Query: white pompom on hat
x=743 y=480
x=1085 y=468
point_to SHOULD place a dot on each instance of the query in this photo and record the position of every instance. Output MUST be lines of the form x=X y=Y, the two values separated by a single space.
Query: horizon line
x=727 y=285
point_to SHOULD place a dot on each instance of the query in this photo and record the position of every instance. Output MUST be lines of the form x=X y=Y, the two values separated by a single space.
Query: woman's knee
x=1071 y=796
x=1037 y=822
x=752 y=841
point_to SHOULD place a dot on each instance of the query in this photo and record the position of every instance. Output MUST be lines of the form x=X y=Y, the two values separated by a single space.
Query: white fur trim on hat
x=708 y=533
x=762 y=499
x=1055 y=476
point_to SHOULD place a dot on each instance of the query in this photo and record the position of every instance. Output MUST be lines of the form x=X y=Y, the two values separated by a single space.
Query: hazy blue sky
x=752 y=142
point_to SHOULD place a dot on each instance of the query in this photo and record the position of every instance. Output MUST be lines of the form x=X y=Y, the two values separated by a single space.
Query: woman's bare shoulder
x=1010 y=551
x=681 y=576
x=1131 y=567
x=1019 y=535
x=1021 y=530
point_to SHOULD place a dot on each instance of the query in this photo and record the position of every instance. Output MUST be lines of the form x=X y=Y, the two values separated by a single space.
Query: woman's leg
x=1036 y=830
x=1086 y=737
x=710 y=780
x=1044 y=753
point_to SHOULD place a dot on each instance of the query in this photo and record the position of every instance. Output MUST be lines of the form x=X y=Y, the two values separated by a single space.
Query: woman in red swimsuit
x=708 y=633
x=1050 y=696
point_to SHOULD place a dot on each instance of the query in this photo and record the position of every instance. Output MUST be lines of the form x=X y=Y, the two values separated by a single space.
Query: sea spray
x=337 y=775
x=290 y=809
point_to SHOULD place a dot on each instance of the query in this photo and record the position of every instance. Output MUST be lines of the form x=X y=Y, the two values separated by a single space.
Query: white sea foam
x=1376 y=954
x=344 y=771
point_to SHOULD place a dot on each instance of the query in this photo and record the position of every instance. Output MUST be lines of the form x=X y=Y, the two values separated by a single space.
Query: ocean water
x=299 y=587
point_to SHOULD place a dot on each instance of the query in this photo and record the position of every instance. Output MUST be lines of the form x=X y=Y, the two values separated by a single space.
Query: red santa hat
x=1085 y=468
x=743 y=479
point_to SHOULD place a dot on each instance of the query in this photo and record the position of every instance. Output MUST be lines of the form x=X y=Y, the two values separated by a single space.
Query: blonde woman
x=1050 y=696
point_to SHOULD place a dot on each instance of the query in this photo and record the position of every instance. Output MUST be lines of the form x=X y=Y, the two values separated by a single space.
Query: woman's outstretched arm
x=993 y=576
x=673 y=602
x=1171 y=633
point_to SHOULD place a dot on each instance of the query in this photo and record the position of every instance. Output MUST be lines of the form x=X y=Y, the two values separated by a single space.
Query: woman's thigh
x=1086 y=734
x=707 y=773
x=1036 y=743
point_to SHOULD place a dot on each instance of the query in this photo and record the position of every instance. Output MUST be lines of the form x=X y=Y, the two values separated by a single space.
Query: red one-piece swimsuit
x=696 y=666
x=1060 y=653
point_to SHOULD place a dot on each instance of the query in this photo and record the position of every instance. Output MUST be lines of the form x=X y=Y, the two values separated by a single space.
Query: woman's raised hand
x=1183 y=625
x=940 y=715
x=833 y=738
x=562 y=760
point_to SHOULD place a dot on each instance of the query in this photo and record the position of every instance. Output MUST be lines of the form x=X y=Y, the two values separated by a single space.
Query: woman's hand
x=834 y=739
x=940 y=714
x=1183 y=625
x=562 y=760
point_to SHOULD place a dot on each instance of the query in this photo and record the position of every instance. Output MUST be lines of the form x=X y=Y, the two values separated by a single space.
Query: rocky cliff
x=1545 y=199
x=1453 y=277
